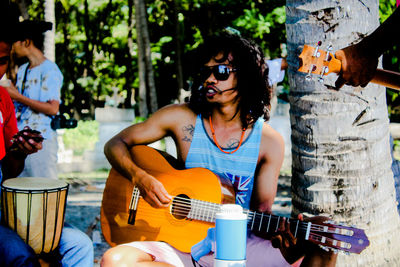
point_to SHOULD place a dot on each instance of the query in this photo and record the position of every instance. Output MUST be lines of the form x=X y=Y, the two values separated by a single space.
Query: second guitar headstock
x=317 y=61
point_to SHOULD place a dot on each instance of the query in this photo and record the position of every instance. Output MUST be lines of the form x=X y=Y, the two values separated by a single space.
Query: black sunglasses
x=221 y=72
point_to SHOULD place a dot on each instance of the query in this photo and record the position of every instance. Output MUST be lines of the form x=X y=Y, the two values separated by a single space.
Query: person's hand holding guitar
x=359 y=61
x=152 y=190
x=294 y=248
x=359 y=65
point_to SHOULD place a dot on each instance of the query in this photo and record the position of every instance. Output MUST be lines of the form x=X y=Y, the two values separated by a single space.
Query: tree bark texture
x=340 y=139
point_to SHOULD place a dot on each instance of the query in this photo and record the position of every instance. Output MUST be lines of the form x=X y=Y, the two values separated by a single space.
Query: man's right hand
x=358 y=65
x=152 y=190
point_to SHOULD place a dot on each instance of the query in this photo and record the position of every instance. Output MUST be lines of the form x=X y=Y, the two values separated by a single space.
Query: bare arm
x=49 y=108
x=270 y=162
x=160 y=124
x=359 y=61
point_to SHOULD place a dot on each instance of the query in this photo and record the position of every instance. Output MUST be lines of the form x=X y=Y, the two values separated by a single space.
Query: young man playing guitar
x=222 y=129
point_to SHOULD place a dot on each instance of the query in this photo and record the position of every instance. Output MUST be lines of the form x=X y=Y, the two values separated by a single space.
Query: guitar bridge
x=133 y=206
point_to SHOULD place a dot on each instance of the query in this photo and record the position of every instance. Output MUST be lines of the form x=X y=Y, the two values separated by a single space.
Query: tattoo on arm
x=188 y=132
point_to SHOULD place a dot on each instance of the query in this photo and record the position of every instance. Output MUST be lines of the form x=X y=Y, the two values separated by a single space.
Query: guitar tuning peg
x=328 y=56
x=316 y=52
x=308 y=76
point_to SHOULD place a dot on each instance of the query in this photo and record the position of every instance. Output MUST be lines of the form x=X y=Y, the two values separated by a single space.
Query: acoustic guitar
x=317 y=61
x=197 y=196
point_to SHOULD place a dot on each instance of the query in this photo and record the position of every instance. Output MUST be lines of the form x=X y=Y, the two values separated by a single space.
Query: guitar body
x=159 y=224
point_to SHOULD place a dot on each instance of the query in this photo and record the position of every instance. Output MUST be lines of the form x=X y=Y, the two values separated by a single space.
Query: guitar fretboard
x=257 y=221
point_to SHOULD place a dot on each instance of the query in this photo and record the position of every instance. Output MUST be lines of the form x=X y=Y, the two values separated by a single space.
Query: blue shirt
x=43 y=83
x=238 y=167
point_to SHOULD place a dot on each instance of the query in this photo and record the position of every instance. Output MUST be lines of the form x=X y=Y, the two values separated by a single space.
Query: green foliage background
x=92 y=43
x=81 y=138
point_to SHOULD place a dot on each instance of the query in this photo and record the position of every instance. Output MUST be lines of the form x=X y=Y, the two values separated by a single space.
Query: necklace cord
x=215 y=139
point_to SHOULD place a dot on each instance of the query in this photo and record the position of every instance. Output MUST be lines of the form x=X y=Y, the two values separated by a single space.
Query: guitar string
x=187 y=207
x=157 y=215
x=153 y=214
x=339 y=245
x=185 y=201
x=185 y=210
x=188 y=203
x=313 y=236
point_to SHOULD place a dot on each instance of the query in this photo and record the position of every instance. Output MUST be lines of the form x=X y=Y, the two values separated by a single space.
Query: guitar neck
x=264 y=223
x=387 y=78
x=258 y=222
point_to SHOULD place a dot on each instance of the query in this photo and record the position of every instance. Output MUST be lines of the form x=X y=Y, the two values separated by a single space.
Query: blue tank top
x=239 y=167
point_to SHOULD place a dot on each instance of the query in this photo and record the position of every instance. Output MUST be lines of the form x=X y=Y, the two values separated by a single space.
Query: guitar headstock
x=339 y=237
x=317 y=61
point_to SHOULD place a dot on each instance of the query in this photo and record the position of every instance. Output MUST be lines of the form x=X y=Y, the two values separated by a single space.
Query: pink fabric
x=397 y=2
x=259 y=253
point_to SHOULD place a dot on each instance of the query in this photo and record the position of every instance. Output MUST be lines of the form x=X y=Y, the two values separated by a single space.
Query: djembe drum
x=34 y=208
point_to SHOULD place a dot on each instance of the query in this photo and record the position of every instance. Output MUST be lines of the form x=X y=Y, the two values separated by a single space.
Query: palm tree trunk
x=340 y=139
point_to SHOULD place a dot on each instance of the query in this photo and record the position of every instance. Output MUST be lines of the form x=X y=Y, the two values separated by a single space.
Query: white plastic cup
x=230 y=236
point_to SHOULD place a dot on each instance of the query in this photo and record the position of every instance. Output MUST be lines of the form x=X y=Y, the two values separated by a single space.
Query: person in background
x=14 y=148
x=37 y=96
x=223 y=125
x=75 y=247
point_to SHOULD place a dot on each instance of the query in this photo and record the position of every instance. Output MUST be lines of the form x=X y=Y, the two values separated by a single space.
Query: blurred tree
x=49 y=47
x=96 y=44
x=147 y=90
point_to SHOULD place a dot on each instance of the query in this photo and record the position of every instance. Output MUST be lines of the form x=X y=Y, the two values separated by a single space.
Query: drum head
x=33 y=183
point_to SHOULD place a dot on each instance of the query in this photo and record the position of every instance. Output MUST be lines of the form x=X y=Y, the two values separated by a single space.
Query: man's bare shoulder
x=176 y=113
x=271 y=141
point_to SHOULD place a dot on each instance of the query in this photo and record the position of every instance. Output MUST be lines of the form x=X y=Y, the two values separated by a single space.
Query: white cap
x=231 y=212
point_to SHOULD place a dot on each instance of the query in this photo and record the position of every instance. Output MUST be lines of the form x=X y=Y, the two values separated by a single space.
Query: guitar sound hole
x=181 y=206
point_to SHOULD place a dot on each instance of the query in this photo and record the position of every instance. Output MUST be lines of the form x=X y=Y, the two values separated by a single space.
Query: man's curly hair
x=252 y=76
